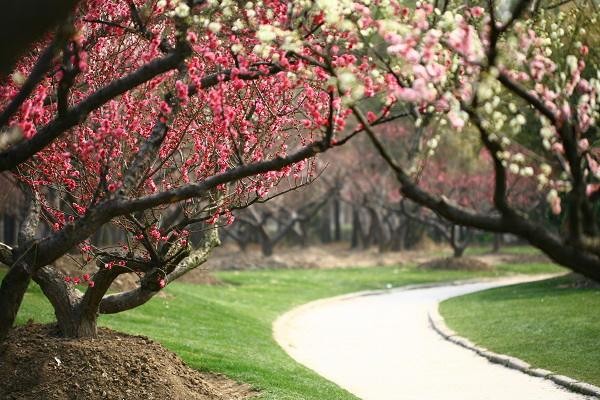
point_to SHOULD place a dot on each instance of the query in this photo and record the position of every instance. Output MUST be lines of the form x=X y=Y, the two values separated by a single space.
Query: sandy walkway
x=381 y=347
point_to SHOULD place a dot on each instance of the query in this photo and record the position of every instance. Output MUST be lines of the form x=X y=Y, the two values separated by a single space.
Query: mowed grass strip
x=552 y=324
x=228 y=328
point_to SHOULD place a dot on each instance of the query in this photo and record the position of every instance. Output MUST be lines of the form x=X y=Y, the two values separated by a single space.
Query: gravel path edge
x=438 y=324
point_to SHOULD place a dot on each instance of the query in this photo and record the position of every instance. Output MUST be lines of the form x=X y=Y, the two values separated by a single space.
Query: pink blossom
x=477 y=11
x=558 y=148
x=592 y=188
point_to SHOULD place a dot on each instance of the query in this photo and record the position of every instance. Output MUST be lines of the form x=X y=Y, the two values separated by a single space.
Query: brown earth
x=35 y=364
x=453 y=263
x=228 y=257
x=338 y=255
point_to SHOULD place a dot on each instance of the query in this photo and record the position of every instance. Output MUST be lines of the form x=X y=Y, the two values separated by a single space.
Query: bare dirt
x=454 y=263
x=229 y=257
x=36 y=364
x=338 y=255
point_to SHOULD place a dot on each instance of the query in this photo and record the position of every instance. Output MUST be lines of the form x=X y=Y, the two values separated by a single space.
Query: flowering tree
x=464 y=174
x=523 y=89
x=151 y=116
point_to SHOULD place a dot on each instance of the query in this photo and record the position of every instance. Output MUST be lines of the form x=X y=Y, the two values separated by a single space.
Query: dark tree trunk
x=459 y=239
x=497 y=242
x=75 y=325
x=397 y=240
x=73 y=319
x=303 y=234
x=337 y=226
x=13 y=288
x=356 y=229
x=458 y=251
x=325 y=226
x=10 y=230
x=374 y=236
x=266 y=247
x=86 y=327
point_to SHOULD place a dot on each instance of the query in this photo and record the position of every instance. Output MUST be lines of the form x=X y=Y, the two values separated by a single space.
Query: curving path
x=379 y=346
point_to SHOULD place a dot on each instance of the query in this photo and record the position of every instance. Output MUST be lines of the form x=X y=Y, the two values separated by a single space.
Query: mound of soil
x=36 y=364
x=454 y=263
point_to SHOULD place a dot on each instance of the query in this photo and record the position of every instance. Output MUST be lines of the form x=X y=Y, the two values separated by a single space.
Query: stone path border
x=439 y=325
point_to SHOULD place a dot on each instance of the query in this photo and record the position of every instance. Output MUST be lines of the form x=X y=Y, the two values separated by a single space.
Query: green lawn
x=550 y=324
x=227 y=328
x=477 y=250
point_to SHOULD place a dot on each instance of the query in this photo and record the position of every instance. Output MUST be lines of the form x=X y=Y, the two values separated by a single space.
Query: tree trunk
x=455 y=240
x=497 y=242
x=72 y=319
x=13 y=288
x=325 y=228
x=266 y=247
x=458 y=251
x=397 y=240
x=356 y=229
x=10 y=229
x=375 y=234
x=86 y=327
x=303 y=234
x=459 y=240
x=337 y=226
x=75 y=325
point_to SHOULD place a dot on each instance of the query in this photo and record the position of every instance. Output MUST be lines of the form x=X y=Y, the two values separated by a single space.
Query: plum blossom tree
x=153 y=116
x=150 y=116
x=519 y=80
x=463 y=173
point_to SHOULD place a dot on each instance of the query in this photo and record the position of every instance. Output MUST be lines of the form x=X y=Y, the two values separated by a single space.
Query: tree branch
x=42 y=65
x=6 y=256
x=74 y=115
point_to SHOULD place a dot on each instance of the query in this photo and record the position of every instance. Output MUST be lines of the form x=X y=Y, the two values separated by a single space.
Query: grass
x=477 y=250
x=227 y=328
x=550 y=324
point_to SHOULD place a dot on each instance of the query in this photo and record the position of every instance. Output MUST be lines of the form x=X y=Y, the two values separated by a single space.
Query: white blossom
x=266 y=33
x=214 y=27
x=182 y=10
x=572 y=63
x=527 y=171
